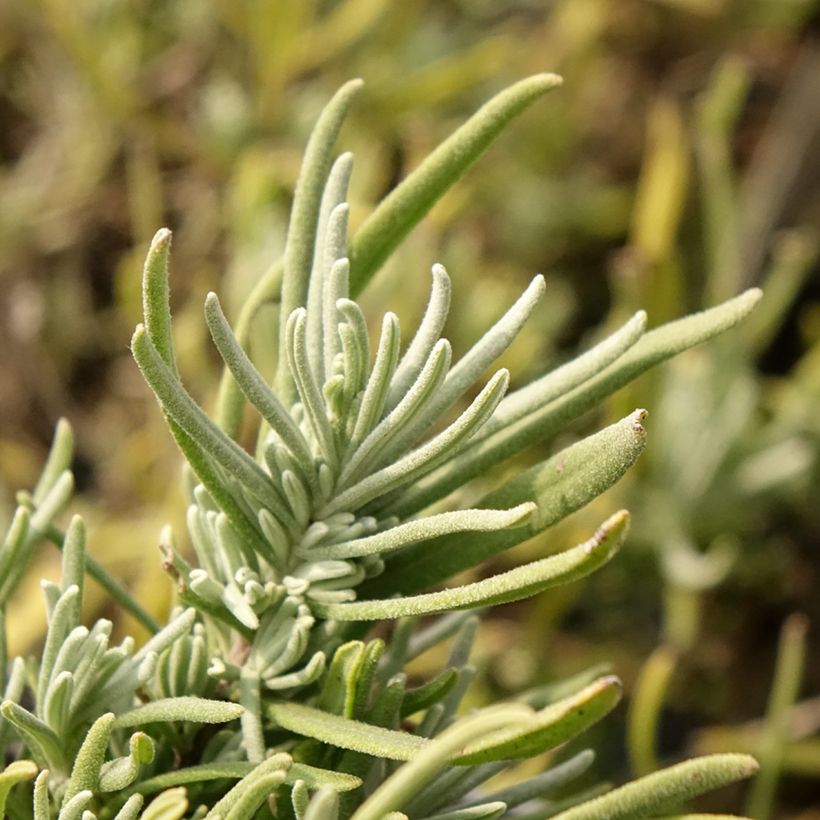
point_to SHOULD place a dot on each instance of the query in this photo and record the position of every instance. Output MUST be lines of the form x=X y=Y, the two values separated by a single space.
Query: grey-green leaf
x=414 y=196
x=513 y=585
x=649 y=795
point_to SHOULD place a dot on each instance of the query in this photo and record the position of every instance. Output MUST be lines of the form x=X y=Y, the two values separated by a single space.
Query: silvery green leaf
x=335 y=293
x=427 y=457
x=155 y=297
x=423 y=529
x=131 y=809
x=467 y=370
x=344 y=733
x=409 y=201
x=304 y=216
x=310 y=673
x=74 y=809
x=654 y=347
x=73 y=565
x=427 y=334
x=513 y=585
x=333 y=195
x=313 y=776
x=375 y=393
x=560 y=381
x=180 y=407
x=276 y=764
x=558 y=486
x=123 y=771
x=56 y=707
x=44 y=745
x=61 y=622
x=387 y=438
x=194 y=710
x=40 y=798
x=308 y=390
x=549 y=727
x=85 y=773
x=649 y=795
x=251 y=382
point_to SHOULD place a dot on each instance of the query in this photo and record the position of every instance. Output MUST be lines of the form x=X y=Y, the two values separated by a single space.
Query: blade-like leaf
x=410 y=200
x=558 y=487
x=518 y=583
x=649 y=795
x=654 y=347
x=550 y=727
x=195 y=710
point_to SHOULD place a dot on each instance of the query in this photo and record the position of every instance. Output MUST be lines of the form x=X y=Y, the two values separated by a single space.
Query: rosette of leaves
x=325 y=530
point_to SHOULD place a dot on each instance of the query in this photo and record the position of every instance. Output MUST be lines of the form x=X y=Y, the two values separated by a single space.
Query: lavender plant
x=263 y=696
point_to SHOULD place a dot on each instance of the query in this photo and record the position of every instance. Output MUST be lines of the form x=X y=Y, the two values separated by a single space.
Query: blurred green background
x=678 y=165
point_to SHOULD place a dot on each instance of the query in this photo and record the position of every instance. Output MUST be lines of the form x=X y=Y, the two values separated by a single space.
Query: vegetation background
x=678 y=165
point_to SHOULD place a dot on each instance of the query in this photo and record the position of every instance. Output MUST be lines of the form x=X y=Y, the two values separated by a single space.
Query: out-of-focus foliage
x=682 y=146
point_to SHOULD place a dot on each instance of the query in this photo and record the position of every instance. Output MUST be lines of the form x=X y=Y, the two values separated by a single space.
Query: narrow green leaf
x=309 y=392
x=375 y=393
x=156 y=299
x=40 y=798
x=433 y=526
x=559 y=486
x=251 y=382
x=654 y=347
x=344 y=733
x=381 y=443
x=651 y=794
x=427 y=457
x=513 y=585
x=304 y=215
x=63 y=619
x=58 y=461
x=427 y=334
x=190 y=709
x=550 y=727
x=560 y=381
x=402 y=209
x=73 y=565
x=334 y=194
x=424 y=696
x=85 y=774
x=278 y=763
x=74 y=809
x=131 y=809
x=44 y=745
x=179 y=406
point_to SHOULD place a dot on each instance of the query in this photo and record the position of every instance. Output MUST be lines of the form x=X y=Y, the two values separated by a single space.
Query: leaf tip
x=161 y=240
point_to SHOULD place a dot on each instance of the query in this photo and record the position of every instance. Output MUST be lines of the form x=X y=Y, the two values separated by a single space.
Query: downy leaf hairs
x=263 y=695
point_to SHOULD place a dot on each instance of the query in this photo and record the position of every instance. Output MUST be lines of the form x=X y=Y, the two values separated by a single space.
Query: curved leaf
x=518 y=583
